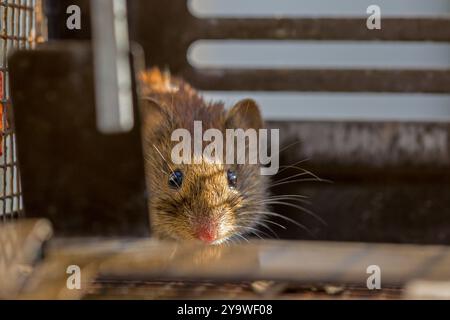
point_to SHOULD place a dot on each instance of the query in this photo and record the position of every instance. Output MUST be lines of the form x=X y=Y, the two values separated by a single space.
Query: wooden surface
x=298 y=261
x=261 y=269
x=20 y=248
x=245 y=290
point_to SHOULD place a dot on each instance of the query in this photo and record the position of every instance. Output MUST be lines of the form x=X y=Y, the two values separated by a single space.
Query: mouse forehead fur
x=170 y=103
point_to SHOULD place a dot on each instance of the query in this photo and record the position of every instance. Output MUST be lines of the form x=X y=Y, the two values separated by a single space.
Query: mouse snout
x=206 y=231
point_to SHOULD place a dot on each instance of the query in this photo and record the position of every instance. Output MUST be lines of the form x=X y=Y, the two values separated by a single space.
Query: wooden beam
x=21 y=245
x=295 y=261
x=346 y=28
x=321 y=80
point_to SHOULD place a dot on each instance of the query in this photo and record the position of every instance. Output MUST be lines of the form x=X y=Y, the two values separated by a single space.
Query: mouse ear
x=245 y=114
x=152 y=115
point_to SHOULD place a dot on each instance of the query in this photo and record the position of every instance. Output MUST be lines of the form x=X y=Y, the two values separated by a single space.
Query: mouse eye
x=232 y=178
x=176 y=179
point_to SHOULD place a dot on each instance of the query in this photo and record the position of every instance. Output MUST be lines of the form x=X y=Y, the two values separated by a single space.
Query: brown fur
x=205 y=195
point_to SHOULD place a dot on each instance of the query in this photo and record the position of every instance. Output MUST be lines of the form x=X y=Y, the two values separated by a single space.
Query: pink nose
x=207 y=233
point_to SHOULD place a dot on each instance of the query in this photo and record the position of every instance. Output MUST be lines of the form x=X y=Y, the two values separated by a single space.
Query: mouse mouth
x=209 y=230
x=180 y=238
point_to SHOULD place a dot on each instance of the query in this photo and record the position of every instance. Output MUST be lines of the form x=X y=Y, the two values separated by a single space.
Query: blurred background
x=367 y=109
x=328 y=54
x=315 y=54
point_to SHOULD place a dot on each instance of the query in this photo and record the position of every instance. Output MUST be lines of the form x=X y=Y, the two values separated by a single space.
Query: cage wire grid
x=17 y=31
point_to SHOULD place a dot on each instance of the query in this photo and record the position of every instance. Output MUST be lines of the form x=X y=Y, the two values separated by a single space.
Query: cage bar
x=17 y=31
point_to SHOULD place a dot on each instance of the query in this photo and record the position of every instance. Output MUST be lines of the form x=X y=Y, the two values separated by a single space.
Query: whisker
x=153 y=166
x=260 y=223
x=290 y=195
x=284 y=168
x=291 y=177
x=159 y=152
x=299 y=200
x=274 y=223
x=300 y=208
x=167 y=163
x=289 y=146
x=274 y=214
x=298 y=180
x=254 y=231
x=242 y=237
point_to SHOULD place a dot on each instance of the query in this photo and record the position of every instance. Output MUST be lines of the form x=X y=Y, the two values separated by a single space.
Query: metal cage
x=19 y=25
x=144 y=268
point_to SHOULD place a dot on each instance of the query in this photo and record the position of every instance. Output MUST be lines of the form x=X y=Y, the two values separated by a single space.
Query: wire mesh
x=17 y=31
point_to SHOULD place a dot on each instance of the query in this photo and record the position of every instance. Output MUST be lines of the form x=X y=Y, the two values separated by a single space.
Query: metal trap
x=382 y=191
x=18 y=31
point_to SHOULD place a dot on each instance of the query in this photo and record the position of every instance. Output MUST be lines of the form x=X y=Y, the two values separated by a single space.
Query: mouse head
x=206 y=200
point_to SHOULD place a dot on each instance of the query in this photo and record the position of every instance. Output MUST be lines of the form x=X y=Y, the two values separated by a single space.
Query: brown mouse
x=210 y=202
